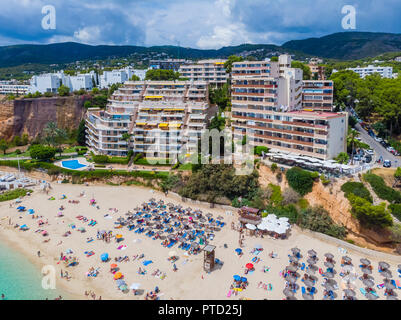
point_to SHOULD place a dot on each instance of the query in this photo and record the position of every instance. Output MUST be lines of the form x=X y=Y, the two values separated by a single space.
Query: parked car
x=378 y=139
x=387 y=164
x=357 y=157
x=370 y=152
x=368 y=159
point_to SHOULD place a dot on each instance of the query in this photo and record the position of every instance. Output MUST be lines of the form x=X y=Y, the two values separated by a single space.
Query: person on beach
x=3 y=297
x=39 y=254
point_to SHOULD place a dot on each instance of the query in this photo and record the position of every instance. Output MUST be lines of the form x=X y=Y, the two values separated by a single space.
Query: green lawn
x=14 y=155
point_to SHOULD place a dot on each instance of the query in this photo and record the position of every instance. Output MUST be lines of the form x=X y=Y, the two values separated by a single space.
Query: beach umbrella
x=291 y=279
x=118 y=275
x=238 y=250
x=292 y=268
x=328 y=286
x=237 y=277
x=349 y=293
x=250 y=226
x=135 y=286
x=293 y=259
x=31 y=211
x=243 y=279
x=389 y=285
x=312 y=253
x=220 y=217
x=329 y=275
x=369 y=283
x=384 y=265
x=307 y=296
x=329 y=255
x=365 y=262
x=329 y=264
x=113 y=266
x=209 y=215
x=249 y=266
x=399 y=267
x=288 y=293
x=347 y=259
x=310 y=271
x=172 y=253
x=104 y=257
x=308 y=283
x=386 y=274
x=295 y=250
x=349 y=268
x=371 y=296
x=311 y=261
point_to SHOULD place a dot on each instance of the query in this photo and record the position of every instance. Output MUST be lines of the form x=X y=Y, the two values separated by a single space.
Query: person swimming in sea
x=3 y=297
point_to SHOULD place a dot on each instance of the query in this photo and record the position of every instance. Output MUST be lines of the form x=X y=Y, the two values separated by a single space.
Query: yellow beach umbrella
x=118 y=275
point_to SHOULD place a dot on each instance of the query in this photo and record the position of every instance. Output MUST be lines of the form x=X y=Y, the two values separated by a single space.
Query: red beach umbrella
x=249 y=266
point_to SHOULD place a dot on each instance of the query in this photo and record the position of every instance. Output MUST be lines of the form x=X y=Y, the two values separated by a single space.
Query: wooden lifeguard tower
x=208 y=258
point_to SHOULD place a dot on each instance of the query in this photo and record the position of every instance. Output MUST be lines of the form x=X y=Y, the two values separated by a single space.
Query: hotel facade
x=211 y=71
x=267 y=107
x=161 y=116
x=317 y=95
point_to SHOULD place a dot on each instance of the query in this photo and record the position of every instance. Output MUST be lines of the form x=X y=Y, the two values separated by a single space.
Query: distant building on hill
x=385 y=72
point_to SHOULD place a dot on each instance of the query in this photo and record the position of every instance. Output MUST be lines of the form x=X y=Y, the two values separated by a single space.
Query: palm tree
x=353 y=141
x=54 y=135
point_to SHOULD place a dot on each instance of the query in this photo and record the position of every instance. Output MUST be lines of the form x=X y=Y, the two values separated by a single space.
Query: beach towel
x=229 y=293
x=363 y=291
x=147 y=262
x=398 y=284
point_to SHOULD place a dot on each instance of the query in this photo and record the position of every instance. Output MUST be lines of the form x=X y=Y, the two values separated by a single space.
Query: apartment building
x=385 y=72
x=211 y=71
x=162 y=117
x=268 y=109
x=168 y=64
x=317 y=95
x=13 y=88
x=318 y=72
x=50 y=82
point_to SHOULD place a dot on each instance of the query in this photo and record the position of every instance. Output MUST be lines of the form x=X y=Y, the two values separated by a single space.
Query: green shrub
x=274 y=167
x=258 y=150
x=276 y=198
x=358 y=189
x=300 y=180
x=42 y=153
x=381 y=189
x=289 y=212
x=370 y=215
x=303 y=203
x=13 y=194
x=100 y=158
x=318 y=220
x=395 y=209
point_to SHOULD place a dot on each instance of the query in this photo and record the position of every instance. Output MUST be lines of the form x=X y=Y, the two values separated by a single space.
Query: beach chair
x=375 y=294
x=363 y=291
x=398 y=283
x=312 y=290
x=380 y=286
x=303 y=267
x=303 y=290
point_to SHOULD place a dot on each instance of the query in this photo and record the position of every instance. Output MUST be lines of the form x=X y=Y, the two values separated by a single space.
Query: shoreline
x=179 y=285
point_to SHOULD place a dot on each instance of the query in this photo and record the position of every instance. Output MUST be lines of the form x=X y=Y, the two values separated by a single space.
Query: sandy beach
x=189 y=281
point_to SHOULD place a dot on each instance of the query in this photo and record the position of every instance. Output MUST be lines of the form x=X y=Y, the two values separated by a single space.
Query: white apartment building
x=161 y=116
x=109 y=78
x=49 y=82
x=385 y=72
x=267 y=107
x=13 y=88
x=211 y=71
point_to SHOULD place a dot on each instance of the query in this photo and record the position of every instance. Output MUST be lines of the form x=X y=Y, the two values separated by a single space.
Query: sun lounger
x=398 y=283
x=363 y=291
x=303 y=290
x=303 y=267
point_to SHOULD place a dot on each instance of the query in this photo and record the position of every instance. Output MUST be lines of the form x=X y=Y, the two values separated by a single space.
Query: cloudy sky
x=190 y=23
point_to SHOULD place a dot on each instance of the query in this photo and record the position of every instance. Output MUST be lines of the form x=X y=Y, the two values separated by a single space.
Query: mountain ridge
x=341 y=46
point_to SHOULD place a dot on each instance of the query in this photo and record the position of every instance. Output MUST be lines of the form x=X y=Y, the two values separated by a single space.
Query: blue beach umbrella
x=244 y=279
x=21 y=208
x=23 y=226
x=237 y=278
x=104 y=257
x=238 y=250
x=31 y=211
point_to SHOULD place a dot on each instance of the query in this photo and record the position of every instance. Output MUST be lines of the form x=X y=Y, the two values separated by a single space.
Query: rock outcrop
x=30 y=116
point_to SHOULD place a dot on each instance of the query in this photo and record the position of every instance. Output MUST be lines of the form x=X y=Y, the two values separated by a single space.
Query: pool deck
x=81 y=160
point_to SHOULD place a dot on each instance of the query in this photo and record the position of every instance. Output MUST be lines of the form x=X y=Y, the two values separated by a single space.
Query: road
x=378 y=148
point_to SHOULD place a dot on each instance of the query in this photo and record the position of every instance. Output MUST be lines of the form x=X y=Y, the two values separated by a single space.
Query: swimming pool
x=72 y=164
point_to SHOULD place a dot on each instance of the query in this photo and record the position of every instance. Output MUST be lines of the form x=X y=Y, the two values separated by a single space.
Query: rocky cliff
x=31 y=115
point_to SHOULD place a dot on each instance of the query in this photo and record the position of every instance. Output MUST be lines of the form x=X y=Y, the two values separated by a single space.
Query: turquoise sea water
x=21 y=280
